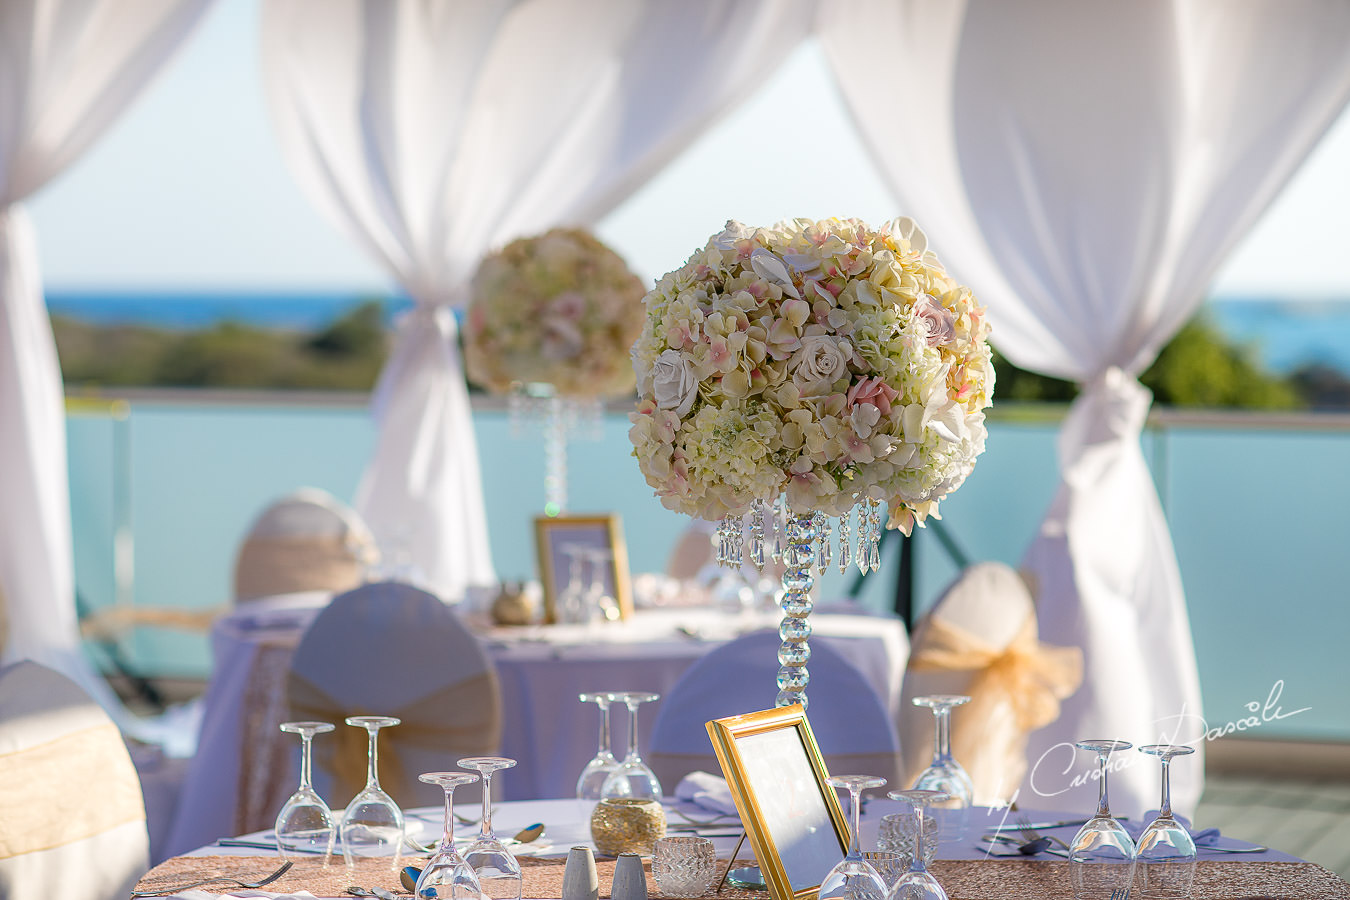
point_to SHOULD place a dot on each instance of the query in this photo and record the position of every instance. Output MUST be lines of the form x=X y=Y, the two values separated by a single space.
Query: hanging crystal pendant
x=845 y=550
x=864 y=535
x=757 y=534
x=821 y=523
x=737 y=535
x=795 y=631
x=874 y=535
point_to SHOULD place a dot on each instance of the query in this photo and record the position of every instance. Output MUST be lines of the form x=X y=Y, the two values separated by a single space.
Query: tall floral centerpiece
x=794 y=374
x=550 y=323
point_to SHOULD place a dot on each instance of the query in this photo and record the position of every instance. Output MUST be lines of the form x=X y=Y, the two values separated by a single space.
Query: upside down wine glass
x=446 y=876
x=1165 y=856
x=497 y=870
x=373 y=823
x=944 y=773
x=593 y=776
x=918 y=883
x=1101 y=854
x=853 y=877
x=305 y=823
x=632 y=777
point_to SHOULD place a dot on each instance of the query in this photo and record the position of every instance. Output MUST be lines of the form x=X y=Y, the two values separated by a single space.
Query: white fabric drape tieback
x=427 y=323
x=1110 y=408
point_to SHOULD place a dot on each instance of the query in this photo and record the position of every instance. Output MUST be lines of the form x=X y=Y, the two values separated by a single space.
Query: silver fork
x=1033 y=841
x=243 y=884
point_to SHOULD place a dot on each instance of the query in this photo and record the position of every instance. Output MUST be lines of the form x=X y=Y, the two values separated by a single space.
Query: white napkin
x=706 y=790
x=1208 y=837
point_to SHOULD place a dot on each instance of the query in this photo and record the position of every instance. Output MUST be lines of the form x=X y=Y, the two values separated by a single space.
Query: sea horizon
x=1287 y=333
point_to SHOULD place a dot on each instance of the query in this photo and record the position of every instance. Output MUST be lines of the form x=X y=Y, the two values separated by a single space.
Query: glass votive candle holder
x=890 y=866
x=684 y=866
x=896 y=835
x=627 y=825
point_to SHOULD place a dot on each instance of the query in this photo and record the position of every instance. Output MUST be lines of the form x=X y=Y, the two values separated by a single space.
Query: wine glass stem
x=1103 y=807
x=1165 y=807
x=304 y=762
x=485 y=826
x=604 y=730
x=372 y=760
x=632 y=733
x=917 y=865
x=942 y=740
x=448 y=833
x=853 y=847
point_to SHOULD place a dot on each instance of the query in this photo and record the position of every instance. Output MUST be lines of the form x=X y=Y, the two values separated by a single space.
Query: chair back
x=72 y=821
x=848 y=719
x=980 y=639
x=390 y=649
x=305 y=541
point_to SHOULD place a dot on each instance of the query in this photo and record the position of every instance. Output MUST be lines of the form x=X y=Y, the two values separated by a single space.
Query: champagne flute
x=1165 y=856
x=447 y=876
x=305 y=823
x=1101 y=855
x=944 y=773
x=854 y=878
x=918 y=883
x=496 y=868
x=632 y=777
x=373 y=822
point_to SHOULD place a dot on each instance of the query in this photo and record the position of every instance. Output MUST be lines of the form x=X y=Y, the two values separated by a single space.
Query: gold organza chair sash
x=461 y=719
x=288 y=565
x=99 y=791
x=1029 y=676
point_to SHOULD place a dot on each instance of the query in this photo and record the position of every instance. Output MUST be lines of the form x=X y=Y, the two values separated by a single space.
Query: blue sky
x=189 y=190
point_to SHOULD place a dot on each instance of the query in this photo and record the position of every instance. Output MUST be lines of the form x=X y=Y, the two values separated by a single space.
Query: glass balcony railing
x=164 y=485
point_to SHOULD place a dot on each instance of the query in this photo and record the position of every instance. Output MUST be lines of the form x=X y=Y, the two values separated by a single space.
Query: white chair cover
x=306 y=541
x=390 y=649
x=855 y=733
x=72 y=823
x=980 y=640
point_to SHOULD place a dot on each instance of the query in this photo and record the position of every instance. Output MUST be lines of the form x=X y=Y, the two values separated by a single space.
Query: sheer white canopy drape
x=433 y=131
x=68 y=69
x=1085 y=167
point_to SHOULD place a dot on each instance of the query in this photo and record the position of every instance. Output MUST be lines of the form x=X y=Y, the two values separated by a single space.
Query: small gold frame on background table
x=778 y=780
x=599 y=532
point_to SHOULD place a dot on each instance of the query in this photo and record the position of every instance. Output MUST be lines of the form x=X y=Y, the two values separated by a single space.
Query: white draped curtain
x=1085 y=167
x=68 y=69
x=432 y=132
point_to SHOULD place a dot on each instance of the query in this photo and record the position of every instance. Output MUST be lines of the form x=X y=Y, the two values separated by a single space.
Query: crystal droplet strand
x=722 y=544
x=823 y=552
x=757 y=534
x=874 y=535
x=795 y=630
x=773 y=532
x=845 y=549
x=736 y=554
x=864 y=531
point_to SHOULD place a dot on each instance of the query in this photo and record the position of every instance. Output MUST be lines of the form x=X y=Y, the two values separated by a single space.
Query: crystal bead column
x=555 y=457
x=795 y=630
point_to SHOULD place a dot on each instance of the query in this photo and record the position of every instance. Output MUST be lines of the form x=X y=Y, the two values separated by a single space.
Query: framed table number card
x=597 y=541
x=790 y=813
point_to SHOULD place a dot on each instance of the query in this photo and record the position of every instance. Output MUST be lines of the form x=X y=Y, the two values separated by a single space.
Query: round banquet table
x=244 y=767
x=959 y=863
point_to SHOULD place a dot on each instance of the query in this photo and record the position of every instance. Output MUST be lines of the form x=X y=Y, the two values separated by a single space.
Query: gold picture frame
x=790 y=813
x=600 y=532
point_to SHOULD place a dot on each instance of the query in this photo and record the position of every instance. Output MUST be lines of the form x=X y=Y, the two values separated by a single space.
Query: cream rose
x=818 y=364
x=673 y=383
x=938 y=322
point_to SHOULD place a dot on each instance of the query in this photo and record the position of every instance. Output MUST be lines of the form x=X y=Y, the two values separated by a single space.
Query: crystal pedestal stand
x=795 y=629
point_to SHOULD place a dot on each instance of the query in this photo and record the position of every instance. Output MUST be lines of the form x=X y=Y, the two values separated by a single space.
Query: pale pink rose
x=568 y=305
x=938 y=321
x=873 y=391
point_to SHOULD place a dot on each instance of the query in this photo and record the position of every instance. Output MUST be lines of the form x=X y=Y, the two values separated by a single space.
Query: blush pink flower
x=873 y=391
x=938 y=322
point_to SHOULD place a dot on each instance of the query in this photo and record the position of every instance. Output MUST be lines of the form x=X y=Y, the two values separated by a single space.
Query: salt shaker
x=630 y=881
x=580 y=880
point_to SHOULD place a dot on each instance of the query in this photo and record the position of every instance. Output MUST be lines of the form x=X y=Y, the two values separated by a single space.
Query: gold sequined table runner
x=963 y=879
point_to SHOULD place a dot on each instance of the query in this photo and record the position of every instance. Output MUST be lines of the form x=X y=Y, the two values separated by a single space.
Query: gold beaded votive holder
x=627 y=825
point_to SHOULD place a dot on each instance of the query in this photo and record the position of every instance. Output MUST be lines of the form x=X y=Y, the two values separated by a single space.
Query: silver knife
x=1036 y=826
